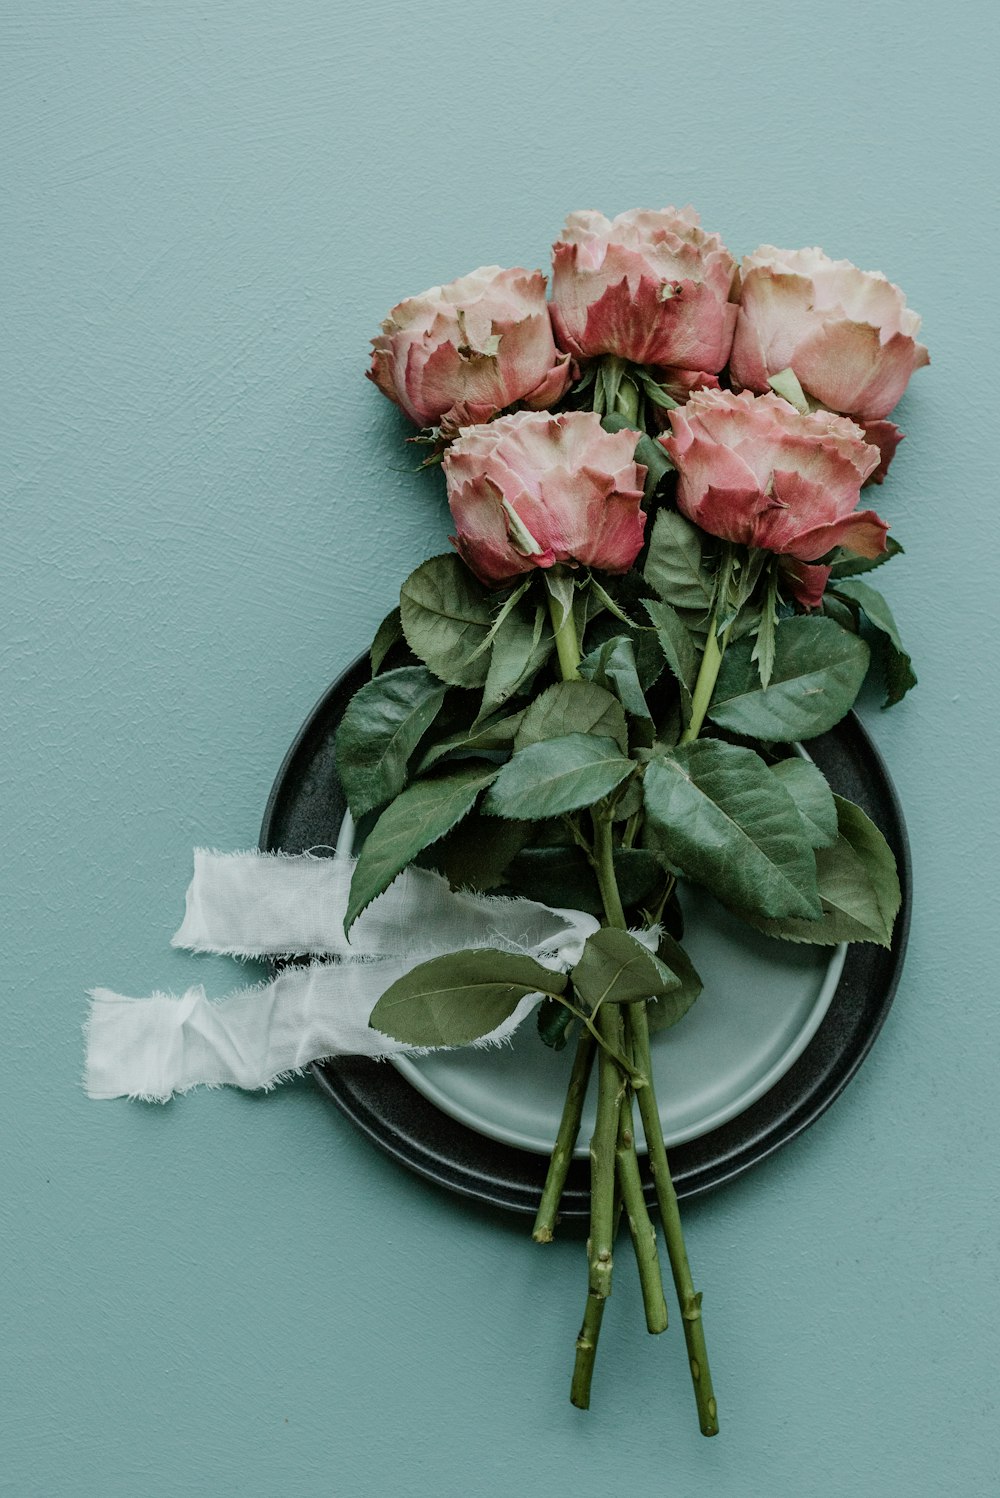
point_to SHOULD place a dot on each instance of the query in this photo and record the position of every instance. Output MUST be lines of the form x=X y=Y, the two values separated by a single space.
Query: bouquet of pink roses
x=655 y=480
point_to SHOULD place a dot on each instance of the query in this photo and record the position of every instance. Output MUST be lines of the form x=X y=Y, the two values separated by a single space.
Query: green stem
x=604 y=868
x=640 y=1226
x=708 y=672
x=588 y=1021
x=586 y=1351
x=666 y=1198
x=569 y=1129
x=602 y=1163
x=705 y=685
x=630 y=1182
x=567 y=644
x=590 y=1331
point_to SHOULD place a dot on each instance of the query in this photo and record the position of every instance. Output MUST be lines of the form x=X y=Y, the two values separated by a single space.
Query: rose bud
x=530 y=490
x=847 y=334
x=649 y=286
x=754 y=470
x=458 y=354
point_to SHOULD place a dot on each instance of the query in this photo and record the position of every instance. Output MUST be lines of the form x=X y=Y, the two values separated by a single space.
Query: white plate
x=762 y=1003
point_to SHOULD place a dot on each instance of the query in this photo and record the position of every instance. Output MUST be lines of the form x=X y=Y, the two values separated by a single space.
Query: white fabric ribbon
x=272 y=905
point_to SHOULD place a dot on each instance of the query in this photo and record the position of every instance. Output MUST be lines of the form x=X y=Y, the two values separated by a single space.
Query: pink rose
x=530 y=490
x=649 y=286
x=754 y=470
x=847 y=333
x=460 y=353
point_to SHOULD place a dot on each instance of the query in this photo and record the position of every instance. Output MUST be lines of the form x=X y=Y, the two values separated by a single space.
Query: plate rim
x=448 y=1155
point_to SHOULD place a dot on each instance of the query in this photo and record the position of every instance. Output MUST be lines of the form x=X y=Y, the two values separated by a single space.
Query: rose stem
x=603 y=1218
x=567 y=644
x=602 y=1164
x=708 y=671
x=590 y=1331
x=643 y=1232
x=640 y=1226
x=637 y=1023
x=569 y=1128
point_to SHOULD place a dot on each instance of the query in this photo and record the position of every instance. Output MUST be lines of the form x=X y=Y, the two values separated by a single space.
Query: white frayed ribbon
x=280 y=905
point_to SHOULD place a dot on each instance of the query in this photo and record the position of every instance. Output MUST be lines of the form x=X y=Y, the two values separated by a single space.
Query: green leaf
x=818 y=671
x=675 y=566
x=459 y=998
x=445 y=615
x=388 y=634
x=562 y=876
x=573 y=707
x=848 y=564
x=678 y=647
x=613 y=666
x=626 y=801
x=813 y=798
x=520 y=648
x=841 y=612
x=558 y=775
x=899 y=673
x=717 y=813
x=858 y=887
x=486 y=737
x=382 y=726
x=616 y=968
x=423 y=813
x=647 y=451
x=672 y=1006
x=476 y=853
x=553 y=1020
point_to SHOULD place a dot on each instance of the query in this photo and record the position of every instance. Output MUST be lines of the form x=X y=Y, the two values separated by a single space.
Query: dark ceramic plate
x=305 y=810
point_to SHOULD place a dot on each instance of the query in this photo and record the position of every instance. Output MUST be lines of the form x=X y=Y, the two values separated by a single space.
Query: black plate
x=305 y=810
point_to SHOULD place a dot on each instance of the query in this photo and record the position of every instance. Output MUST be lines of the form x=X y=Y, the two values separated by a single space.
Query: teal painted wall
x=206 y=511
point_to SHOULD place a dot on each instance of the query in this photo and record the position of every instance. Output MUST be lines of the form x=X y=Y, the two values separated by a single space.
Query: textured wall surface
x=206 y=510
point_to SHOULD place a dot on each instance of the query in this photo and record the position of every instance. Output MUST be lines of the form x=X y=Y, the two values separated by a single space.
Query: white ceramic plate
x=762 y=1003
